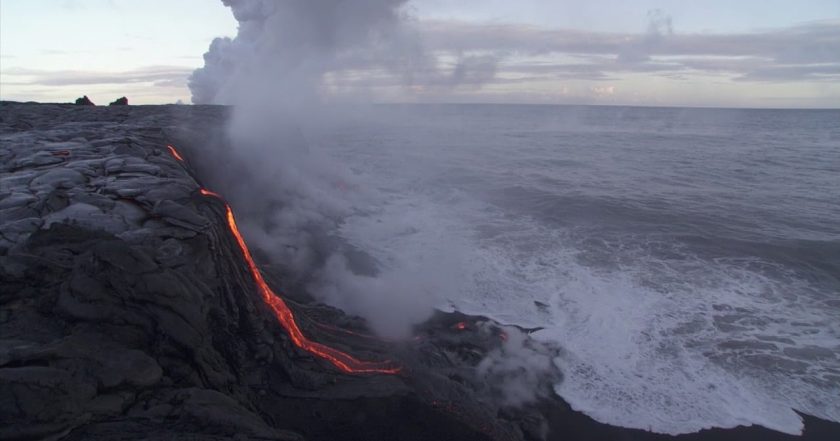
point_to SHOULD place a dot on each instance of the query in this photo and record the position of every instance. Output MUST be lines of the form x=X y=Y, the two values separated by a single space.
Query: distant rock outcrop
x=120 y=102
x=84 y=101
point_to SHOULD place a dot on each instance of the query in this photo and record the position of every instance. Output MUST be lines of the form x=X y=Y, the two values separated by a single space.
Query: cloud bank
x=387 y=55
x=807 y=52
x=153 y=75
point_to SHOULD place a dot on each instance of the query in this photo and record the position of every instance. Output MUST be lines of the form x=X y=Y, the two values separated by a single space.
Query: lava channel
x=343 y=361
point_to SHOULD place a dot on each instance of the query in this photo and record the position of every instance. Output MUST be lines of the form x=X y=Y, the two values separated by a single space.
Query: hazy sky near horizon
x=746 y=53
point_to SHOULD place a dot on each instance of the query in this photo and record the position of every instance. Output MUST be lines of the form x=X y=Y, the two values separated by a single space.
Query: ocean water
x=687 y=261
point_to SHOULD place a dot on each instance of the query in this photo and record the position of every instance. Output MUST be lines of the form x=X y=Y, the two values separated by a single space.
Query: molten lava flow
x=206 y=192
x=175 y=153
x=341 y=360
x=345 y=362
x=460 y=326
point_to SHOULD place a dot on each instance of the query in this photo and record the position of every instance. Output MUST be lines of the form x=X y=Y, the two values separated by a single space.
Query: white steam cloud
x=521 y=371
x=284 y=49
x=289 y=50
x=278 y=73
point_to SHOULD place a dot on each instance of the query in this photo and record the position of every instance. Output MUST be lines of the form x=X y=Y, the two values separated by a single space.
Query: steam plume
x=275 y=72
x=284 y=48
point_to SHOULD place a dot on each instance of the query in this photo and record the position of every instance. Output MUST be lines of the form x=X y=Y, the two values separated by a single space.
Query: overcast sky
x=739 y=53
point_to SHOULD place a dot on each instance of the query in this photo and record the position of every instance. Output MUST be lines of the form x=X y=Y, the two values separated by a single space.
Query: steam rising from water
x=686 y=263
x=278 y=73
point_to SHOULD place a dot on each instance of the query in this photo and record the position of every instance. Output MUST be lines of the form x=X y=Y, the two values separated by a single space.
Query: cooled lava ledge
x=132 y=309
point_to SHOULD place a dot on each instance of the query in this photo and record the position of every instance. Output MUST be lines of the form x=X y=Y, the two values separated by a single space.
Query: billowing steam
x=284 y=49
x=521 y=371
x=280 y=73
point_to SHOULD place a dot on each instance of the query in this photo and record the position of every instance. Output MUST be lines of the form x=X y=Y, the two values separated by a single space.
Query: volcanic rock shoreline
x=127 y=311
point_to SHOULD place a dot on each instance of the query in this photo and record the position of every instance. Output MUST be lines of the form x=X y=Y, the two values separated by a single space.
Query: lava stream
x=175 y=153
x=343 y=361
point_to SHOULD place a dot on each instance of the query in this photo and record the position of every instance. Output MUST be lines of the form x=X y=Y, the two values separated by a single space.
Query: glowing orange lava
x=343 y=361
x=460 y=326
x=206 y=192
x=175 y=153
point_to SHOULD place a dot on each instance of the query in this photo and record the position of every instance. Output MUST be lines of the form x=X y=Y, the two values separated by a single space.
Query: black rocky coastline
x=127 y=311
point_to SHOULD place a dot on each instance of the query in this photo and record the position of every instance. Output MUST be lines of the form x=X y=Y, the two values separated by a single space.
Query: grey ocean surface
x=686 y=260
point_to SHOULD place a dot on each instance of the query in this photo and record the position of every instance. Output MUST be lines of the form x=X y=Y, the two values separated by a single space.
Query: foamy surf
x=661 y=328
x=642 y=347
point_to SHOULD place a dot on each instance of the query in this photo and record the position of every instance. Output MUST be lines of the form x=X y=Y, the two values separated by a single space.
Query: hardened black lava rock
x=84 y=101
x=123 y=101
x=127 y=312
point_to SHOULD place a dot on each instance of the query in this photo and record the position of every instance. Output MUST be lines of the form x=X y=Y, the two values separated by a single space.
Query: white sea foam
x=684 y=291
x=669 y=346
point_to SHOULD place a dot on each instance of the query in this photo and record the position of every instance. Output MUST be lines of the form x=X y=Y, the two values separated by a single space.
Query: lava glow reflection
x=343 y=361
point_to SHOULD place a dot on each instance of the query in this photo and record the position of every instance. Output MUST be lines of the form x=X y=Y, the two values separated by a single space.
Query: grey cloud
x=588 y=71
x=824 y=72
x=812 y=42
x=474 y=70
x=660 y=27
x=158 y=75
x=516 y=39
x=804 y=52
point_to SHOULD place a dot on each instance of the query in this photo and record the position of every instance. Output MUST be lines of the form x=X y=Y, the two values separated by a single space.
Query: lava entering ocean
x=343 y=361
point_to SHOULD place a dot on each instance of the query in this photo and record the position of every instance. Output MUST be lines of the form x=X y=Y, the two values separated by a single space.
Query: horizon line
x=484 y=103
